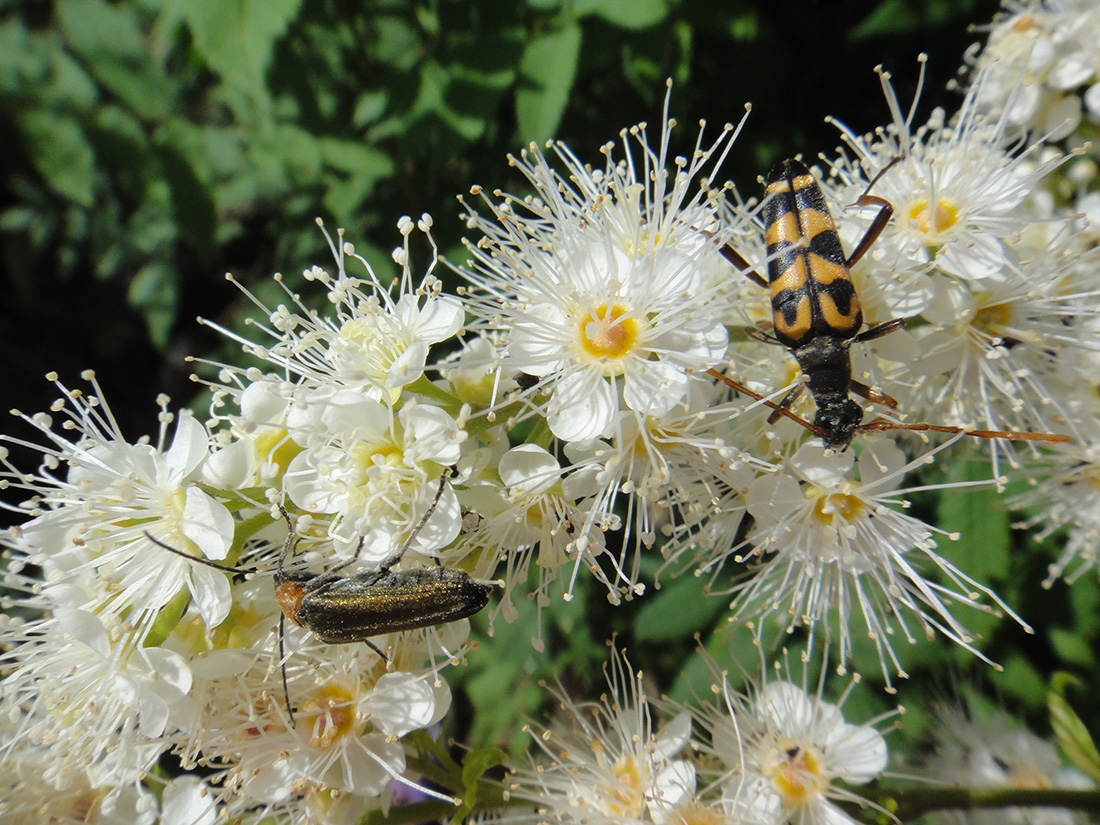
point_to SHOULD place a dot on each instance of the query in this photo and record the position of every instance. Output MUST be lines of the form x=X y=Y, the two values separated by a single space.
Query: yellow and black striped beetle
x=816 y=312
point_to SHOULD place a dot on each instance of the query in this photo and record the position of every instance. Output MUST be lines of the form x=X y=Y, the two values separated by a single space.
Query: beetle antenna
x=289 y=544
x=282 y=666
x=223 y=567
x=396 y=557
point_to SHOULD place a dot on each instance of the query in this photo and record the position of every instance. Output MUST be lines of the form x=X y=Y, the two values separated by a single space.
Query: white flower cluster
x=992 y=751
x=130 y=651
x=579 y=398
x=1042 y=58
x=772 y=756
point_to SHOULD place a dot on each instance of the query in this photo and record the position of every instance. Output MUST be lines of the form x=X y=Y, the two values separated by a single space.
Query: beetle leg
x=875 y=396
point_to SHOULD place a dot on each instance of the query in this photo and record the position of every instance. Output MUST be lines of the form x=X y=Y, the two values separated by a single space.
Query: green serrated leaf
x=1073 y=736
x=62 y=154
x=548 y=68
x=626 y=14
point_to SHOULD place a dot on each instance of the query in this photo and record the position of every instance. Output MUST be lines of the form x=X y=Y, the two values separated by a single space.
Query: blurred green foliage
x=155 y=144
x=152 y=145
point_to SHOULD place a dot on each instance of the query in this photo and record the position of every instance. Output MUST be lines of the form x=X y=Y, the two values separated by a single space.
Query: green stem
x=909 y=803
x=423 y=386
x=476 y=425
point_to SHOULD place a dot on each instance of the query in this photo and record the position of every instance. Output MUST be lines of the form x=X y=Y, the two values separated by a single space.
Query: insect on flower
x=816 y=312
x=345 y=609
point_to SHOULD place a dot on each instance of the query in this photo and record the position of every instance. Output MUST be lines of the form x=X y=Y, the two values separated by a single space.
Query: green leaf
x=474 y=766
x=192 y=201
x=1073 y=736
x=894 y=17
x=1071 y=647
x=61 y=153
x=548 y=68
x=370 y=106
x=237 y=37
x=155 y=292
x=1021 y=680
x=978 y=515
x=108 y=37
x=626 y=14
x=396 y=42
x=677 y=611
x=356 y=158
x=433 y=97
x=363 y=167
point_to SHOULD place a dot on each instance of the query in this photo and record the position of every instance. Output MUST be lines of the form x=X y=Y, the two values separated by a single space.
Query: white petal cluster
x=995 y=751
x=143 y=645
x=997 y=286
x=1044 y=73
x=772 y=756
x=607 y=763
x=604 y=413
x=600 y=282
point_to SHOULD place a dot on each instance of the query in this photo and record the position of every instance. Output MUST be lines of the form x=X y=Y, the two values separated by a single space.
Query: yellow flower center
x=333 y=710
x=695 y=814
x=366 y=456
x=276 y=447
x=993 y=318
x=1029 y=779
x=829 y=508
x=933 y=220
x=609 y=332
x=1026 y=23
x=797 y=774
x=626 y=797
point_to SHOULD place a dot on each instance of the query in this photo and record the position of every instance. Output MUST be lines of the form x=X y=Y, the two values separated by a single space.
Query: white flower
x=996 y=752
x=1066 y=496
x=527 y=512
x=605 y=763
x=957 y=188
x=364 y=465
x=600 y=282
x=830 y=545
x=38 y=785
x=89 y=691
x=350 y=708
x=1036 y=60
x=784 y=749
x=92 y=520
x=1002 y=307
x=374 y=344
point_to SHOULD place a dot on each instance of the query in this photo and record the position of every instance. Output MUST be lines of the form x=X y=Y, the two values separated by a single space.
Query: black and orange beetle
x=816 y=312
